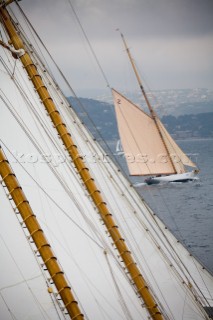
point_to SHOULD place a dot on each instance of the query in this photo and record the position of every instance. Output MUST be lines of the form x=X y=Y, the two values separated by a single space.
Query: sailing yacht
x=77 y=241
x=118 y=150
x=149 y=148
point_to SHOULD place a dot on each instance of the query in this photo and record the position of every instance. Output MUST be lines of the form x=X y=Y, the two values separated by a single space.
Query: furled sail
x=146 y=152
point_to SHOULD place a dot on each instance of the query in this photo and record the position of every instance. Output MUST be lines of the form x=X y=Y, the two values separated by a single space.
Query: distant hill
x=190 y=125
x=193 y=108
x=102 y=115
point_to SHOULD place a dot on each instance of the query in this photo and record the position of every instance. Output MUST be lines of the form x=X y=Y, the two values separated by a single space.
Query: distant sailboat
x=149 y=148
x=119 y=151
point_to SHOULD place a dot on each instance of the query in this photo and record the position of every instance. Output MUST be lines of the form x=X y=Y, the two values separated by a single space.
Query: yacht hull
x=180 y=177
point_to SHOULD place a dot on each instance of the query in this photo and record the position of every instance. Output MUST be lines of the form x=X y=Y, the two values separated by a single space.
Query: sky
x=170 y=40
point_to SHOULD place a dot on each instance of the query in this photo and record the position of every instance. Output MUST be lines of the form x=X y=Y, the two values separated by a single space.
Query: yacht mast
x=95 y=194
x=152 y=112
x=138 y=78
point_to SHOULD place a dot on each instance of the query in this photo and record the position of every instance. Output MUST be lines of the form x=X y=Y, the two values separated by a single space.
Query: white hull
x=180 y=177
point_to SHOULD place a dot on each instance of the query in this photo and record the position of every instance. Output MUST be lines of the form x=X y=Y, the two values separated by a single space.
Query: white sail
x=180 y=284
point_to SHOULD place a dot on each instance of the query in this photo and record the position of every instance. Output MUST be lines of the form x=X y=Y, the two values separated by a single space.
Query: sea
x=185 y=208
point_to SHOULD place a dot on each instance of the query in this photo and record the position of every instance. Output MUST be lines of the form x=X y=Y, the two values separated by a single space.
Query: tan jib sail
x=147 y=152
x=179 y=158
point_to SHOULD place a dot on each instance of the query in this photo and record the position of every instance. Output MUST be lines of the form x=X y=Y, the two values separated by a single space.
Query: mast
x=152 y=112
x=95 y=194
x=37 y=234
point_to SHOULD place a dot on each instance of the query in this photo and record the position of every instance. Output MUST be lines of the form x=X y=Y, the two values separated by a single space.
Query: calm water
x=187 y=208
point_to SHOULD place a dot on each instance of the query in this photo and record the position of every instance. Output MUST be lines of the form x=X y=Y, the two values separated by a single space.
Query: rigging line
x=81 y=105
x=87 y=279
x=70 y=88
x=25 y=281
x=156 y=243
x=139 y=250
x=34 y=52
x=33 y=111
x=40 y=120
x=61 y=209
x=8 y=308
x=36 y=251
x=161 y=231
x=67 y=250
x=14 y=68
x=57 y=307
x=120 y=268
x=57 y=205
x=54 y=300
x=132 y=237
x=32 y=140
x=130 y=232
x=92 y=227
x=49 y=54
x=25 y=35
x=182 y=267
x=207 y=289
x=170 y=214
x=164 y=236
x=160 y=227
x=67 y=190
x=20 y=282
x=122 y=301
x=89 y=44
x=28 y=135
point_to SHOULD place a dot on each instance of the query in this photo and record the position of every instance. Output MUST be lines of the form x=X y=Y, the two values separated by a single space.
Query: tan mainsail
x=147 y=152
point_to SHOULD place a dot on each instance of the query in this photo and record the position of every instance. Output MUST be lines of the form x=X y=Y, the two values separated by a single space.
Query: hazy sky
x=171 y=40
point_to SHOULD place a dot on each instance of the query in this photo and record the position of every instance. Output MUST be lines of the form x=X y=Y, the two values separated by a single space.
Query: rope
x=8 y=308
x=40 y=307
x=55 y=203
x=89 y=44
x=122 y=301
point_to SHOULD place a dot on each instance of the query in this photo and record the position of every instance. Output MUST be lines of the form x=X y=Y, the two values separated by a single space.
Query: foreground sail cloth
x=145 y=151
